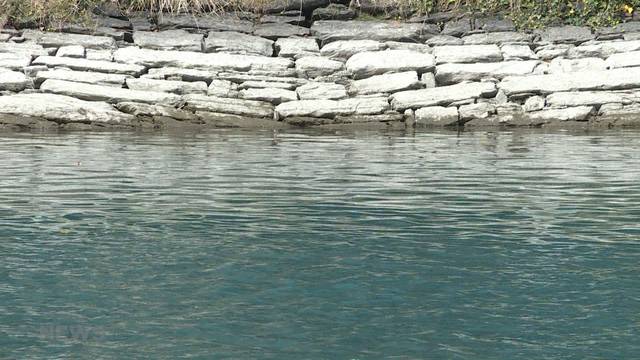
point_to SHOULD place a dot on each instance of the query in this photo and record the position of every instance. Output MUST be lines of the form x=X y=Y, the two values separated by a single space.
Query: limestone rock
x=102 y=55
x=51 y=39
x=582 y=98
x=314 y=66
x=180 y=73
x=395 y=45
x=549 y=52
x=14 y=61
x=228 y=106
x=428 y=79
x=267 y=85
x=566 y=34
x=321 y=91
x=29 y=49
x=533 y=103
x=222 y=88
x=603 y=49
x=297 y=47
x=436 y=116
x=467 y=54
x=60 y=108
x=169 y=86
x=272 y=95
x=441 y=95
x=244 y=77
x=497 y=38
x=191 y=60
x=110 y=94
x=275 y=31
x=578 y=113
x=476 y=111
x=14 y=81
x=444 y=40
x=622 y=60
x=212 y=22
x=517 y=52
x=74 y=51
x=81 y=76
x=454 y=73
x=139 y=109
x=90 y=65
x=331 y=108
x=331 y=30
x=559 y=65
x=333 y=12
x=238 y=43
x=367 y=64
x=591 y=80
x=386 y=83
x=344 y=49
x=457 y=27
x=168 y=40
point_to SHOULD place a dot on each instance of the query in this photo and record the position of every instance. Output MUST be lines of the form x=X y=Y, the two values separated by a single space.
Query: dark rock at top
x=275 y=31
x=288 y=17
x=566 y=34
x=457 y=27
x=494 y=24
x=307 y=6
x=434 y=18
x=217 y=23
x=109 y=9
x=389 y=9
x=334 y=12
x=114 y=23
x=333 y=30
x=141 y=22
x=620 y=28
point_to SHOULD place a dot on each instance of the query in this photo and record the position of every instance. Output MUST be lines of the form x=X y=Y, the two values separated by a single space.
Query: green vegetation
x=525 y=13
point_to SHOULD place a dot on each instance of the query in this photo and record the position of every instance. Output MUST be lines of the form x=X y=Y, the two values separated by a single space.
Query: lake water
x=230 y=245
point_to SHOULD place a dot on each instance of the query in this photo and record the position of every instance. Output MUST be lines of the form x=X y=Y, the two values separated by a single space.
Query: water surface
x=505 y=245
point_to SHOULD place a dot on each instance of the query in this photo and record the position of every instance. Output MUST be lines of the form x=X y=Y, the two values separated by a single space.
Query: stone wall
x=273 y=72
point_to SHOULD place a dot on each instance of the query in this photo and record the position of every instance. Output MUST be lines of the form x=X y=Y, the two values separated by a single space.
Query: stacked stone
x=272 y=72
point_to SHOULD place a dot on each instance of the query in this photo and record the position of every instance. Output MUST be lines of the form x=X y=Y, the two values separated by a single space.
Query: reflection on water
x=229 y=245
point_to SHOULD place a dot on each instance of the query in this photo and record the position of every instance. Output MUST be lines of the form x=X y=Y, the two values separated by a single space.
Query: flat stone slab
x=622 y=60
x=90 y=65
x=566 y=34
x=386 y=83
x=14 y=61
x=332 y=108
x=344 y=49
x=14 y=81
x=626 y=78
x=583 y=98
x=74 y=51
x=517 y=52
x=396 y=45
x=190 y=60
x=139 y=109
x=467 y=53
x=168 y=40
x=267 y=85
x=275 y=31
x=109 y=94
x=447 y=74
x=560 y=65
x=296 y=47
x=243 y=77
x=272 y=95
x=603 y=49
x=222 y=88
x=51 y=39
x=371 y=63
x=578 y=113
x=314 y=66
x=30 y=49
x=321 y=91
x=437 y=116
x=497 y=38
x=333 y=30
x=60 y=108
x=443 y=95
x=169 y=86
x=181 y=73
x=228 y=106
x=82 y=76
x=215 y=23
x=238 y=43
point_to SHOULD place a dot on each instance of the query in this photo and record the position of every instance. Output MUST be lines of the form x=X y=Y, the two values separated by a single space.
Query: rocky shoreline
x=281 y=72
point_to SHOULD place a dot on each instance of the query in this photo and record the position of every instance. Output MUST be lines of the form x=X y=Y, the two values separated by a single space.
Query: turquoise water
x=232 y=245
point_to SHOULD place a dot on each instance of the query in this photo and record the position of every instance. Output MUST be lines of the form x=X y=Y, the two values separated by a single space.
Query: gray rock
x=444 y=40
x=14 y=81
x=4 y=37
x=146 y=110
x=457 y=27
x=517 y=52
x=331 y=108
x=314 y=66
x=321 y=91
x=275 y=31
x=29 y=49
x=222 y=88
x=385 y=83
x=331 y=30
x=102 y=55
x=623 y=60
x=494 y=24
x=476 y=111
x=32 y=71
x=110 y=94
x=333 y=12
x=395 y=45
x=579 y=113
x=14 y=61
x=190 y=60
x=344 y=49
x=267 y=85
x=175 y=87
x=467 y=54
x=60 y=108
x=117 y=35
x=533 y=103
x=497 y=38
x=590 y=80
x=631 y=36
x=273 y=95
x=566 y=34
x=228 y=106
x=213 y=22
x=442 y=95
x=82 y=76
x=367 y=64
x=74 y=51
x=582 y=98
x=244 y=77
x=180 y=73
x=49 y=39
x=549 y=52
x=559 y=65
x=603 y=49
x=168 y=40
x=306 y=6
x=447 y=74
x=90 y=65
x=428 y=79
x=296 y=47
x=238 y=43
x=437 y=116
x=291 y=17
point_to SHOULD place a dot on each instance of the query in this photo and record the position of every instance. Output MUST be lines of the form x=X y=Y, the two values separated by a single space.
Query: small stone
x=175 y=87
x=272 y=95
x=314 y=66
x=14 y=81
x=436 y=116
x=237 y=43
x=517 y=52
x=168 y=40
x=533 y=103
x=457 y=27
x=344 y=49
x=222 y=88
x=386 y=83
x=442 y=95
x=497 y=38
x=559 y=65
x=275 y=31
x=428 y=79
x=467 y=54
x=296 y=47
x=444 y=40
x=566 y=34
x=367 y=64
x=73 y=51
x=476 y=111
x=321 y=91
x=333 y=12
